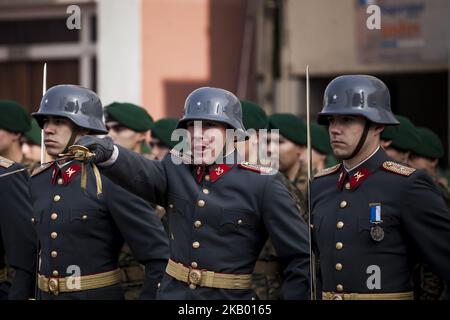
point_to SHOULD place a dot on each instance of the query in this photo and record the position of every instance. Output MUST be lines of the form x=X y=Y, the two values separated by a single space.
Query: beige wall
x=175 y=47
x=187 y=44
x=322 y=33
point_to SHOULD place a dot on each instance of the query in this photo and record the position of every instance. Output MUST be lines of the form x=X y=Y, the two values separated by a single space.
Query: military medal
x=376 y=231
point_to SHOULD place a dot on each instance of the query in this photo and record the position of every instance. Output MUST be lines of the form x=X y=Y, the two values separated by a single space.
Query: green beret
x=404 y=136
x=162 y=130
x=34 y=134
x=14 y=117
x=320 y=139
x=253 y=116
x=291 y=127
x=430 y=145
x=129 y=115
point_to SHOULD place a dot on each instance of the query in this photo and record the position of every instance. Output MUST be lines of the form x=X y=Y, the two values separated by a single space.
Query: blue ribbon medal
x=376 y=231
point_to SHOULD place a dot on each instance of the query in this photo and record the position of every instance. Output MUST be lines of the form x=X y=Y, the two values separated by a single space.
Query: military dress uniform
x=17 y=235
x=268 y=272
x=380 y=216
x=80 y=230
x=218 y=225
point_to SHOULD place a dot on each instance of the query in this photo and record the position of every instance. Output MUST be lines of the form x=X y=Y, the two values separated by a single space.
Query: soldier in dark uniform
x=220 y=210
x=373 y=218
x=81 y=217
x=267 y=276
x=128 y=125
x=426 y=155
x=17 y=239
x=14 y=122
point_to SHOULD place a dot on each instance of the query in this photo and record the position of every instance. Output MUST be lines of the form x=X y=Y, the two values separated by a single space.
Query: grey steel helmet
x=214 y=104
x=359 y=95
x=82 y=106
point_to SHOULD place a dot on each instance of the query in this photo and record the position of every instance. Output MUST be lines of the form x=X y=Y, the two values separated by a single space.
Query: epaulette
x=186 y=159
x=41 y=169
x=398 y=168
x=5 y=163
x=328 y=171
x=257 y=168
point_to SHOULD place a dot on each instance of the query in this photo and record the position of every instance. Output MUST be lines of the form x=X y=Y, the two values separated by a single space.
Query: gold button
x=343 y=204
x=339 y=245
x=192 y=286
x=53 y=235
x=60 y=181
x=338 y=266
x=33 y=220
x=54 y=216
x=54 y=254
x=84 y=217
x=197 y=224
x=170 y=205
x=158 y=285
x=55 y=273
x=347 y=186
x=201 y=203
x=56 y=198
x=239 y=221
x=207 y=177
x=339 y=288
x=194 y=264
x=340 y=225
x=205 y=191
x=196 y=245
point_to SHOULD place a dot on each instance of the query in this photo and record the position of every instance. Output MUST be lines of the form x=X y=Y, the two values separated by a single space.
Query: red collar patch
x=70 y=172
x=218 y=171
x=358 y=177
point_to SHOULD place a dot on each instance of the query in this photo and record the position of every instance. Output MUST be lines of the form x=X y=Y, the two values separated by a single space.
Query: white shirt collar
x=348 y=170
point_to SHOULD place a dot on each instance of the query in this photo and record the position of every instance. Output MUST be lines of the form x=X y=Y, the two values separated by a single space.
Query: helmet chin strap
x=73 y=136
x=360 y=142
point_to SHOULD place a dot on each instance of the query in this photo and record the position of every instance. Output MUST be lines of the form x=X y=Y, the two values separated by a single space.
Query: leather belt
x=368 y=296
x=56 y=285
x=205 y=278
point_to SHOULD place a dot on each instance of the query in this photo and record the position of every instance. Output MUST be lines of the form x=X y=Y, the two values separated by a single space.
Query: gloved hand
x=102 y=147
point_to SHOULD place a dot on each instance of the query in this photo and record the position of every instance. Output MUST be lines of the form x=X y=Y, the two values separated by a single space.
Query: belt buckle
x=53 y=286
x=194 y=276
x=337 y=296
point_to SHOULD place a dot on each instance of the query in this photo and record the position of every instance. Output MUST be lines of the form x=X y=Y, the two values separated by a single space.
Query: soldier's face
x=289 y=152
x=7 y=139
x=57 y=133
x=397 y=155
x=418 y=162
x=159 y=150
x=345 y=132
x=124 y=136
x=207 y=141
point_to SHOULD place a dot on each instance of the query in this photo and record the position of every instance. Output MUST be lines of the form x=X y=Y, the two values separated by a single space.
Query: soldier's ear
x=378 y=129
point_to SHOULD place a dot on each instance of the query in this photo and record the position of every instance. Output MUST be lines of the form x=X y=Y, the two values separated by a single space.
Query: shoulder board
x=41 y=169
x=398 y=168
x=328 y=171
x=5 y=163
x=186 y=159
x=256 y=168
